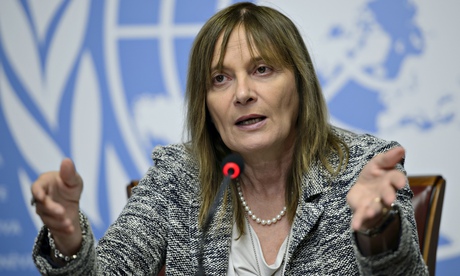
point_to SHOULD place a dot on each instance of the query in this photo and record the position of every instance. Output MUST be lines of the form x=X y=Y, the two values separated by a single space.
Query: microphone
x=232 y=167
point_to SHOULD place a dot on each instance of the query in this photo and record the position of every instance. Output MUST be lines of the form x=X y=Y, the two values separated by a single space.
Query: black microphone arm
x=232 y=167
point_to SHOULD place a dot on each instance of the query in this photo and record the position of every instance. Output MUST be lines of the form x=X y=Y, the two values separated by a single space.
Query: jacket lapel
x=310 y=208
x=217 y=245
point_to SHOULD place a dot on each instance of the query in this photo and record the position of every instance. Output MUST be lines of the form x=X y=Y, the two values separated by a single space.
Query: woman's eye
x=219 y=78
x=262 y=69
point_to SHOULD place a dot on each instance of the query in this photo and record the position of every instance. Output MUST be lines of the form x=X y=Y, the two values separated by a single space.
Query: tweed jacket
x=159 y=225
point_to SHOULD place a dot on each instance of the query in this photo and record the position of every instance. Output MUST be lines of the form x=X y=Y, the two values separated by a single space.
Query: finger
x=359 y=214
x=397 y=180
x=48 y=207
x=357 y=219
x=61 y=225
x=374 y=208
x=366 y=218
x=389 y=159
x=69 y=174
x=369 y=211
x=54 y=216
x=41 y=186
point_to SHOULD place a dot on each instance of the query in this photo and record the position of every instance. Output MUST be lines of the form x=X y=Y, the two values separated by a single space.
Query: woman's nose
x=244 y=93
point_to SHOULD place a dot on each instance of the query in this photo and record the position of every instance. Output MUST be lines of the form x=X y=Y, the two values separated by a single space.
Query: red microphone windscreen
x=233 y=165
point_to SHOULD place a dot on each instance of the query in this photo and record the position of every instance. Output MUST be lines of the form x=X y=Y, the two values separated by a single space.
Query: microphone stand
x=209 y=217
x=233 y=166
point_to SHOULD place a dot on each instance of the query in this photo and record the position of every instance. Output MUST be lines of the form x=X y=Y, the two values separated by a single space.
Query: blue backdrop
x=102 y=82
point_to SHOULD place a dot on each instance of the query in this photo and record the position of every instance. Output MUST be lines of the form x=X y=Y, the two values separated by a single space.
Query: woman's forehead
x=237 y=42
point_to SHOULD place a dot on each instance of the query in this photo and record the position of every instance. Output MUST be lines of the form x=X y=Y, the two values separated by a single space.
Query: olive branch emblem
x=42 y=52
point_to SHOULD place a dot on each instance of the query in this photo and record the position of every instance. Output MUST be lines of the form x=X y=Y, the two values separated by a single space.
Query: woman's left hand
x=376 y=189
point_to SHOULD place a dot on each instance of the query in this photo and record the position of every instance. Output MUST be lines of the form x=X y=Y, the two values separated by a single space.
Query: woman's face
x=253 y=105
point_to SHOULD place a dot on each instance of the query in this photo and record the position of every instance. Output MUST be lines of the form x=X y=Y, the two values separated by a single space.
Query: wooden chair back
x=428 y=201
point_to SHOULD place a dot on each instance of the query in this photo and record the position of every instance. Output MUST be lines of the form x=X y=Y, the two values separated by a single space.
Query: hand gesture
x=56 y=196
x=375 y=189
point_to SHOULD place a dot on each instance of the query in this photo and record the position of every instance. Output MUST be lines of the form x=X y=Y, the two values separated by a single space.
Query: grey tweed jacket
x=159 y=225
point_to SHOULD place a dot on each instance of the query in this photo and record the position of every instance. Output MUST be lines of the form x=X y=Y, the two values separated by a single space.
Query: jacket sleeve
x=133 y=245
x=406 y=259
x=83 y=265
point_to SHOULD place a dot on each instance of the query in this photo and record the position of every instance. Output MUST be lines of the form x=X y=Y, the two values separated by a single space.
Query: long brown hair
x=278 y=42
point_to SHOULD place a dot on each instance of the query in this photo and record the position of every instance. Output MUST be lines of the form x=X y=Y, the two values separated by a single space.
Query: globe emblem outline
x=123 y=109
x=164 y=33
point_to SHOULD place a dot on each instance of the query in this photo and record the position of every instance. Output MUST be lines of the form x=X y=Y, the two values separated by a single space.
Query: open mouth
x=250 y=121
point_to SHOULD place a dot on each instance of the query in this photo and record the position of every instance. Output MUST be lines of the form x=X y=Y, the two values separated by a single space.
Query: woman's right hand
x=56 y=196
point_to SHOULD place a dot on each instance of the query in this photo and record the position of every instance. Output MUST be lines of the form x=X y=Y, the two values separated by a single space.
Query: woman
x=313 y=199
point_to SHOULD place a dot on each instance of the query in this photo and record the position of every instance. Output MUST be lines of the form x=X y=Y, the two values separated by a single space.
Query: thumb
x=69 y=174
x=389 y=159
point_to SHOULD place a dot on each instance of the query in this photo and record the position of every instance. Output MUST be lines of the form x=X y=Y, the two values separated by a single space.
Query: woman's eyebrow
x=222 y=67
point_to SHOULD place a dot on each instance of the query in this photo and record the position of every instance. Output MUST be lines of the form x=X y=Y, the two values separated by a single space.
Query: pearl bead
x=253 y=216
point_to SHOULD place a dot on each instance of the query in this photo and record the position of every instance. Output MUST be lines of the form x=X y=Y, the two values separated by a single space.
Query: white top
x=242 y=260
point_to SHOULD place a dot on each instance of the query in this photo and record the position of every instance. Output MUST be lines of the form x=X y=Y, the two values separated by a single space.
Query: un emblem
x=102 y=82
x=99 y=82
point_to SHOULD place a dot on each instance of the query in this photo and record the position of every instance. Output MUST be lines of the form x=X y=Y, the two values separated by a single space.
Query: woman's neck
x=267 y=174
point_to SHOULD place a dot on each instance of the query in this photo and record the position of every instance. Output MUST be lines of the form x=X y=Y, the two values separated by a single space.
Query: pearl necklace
x=253 y=216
